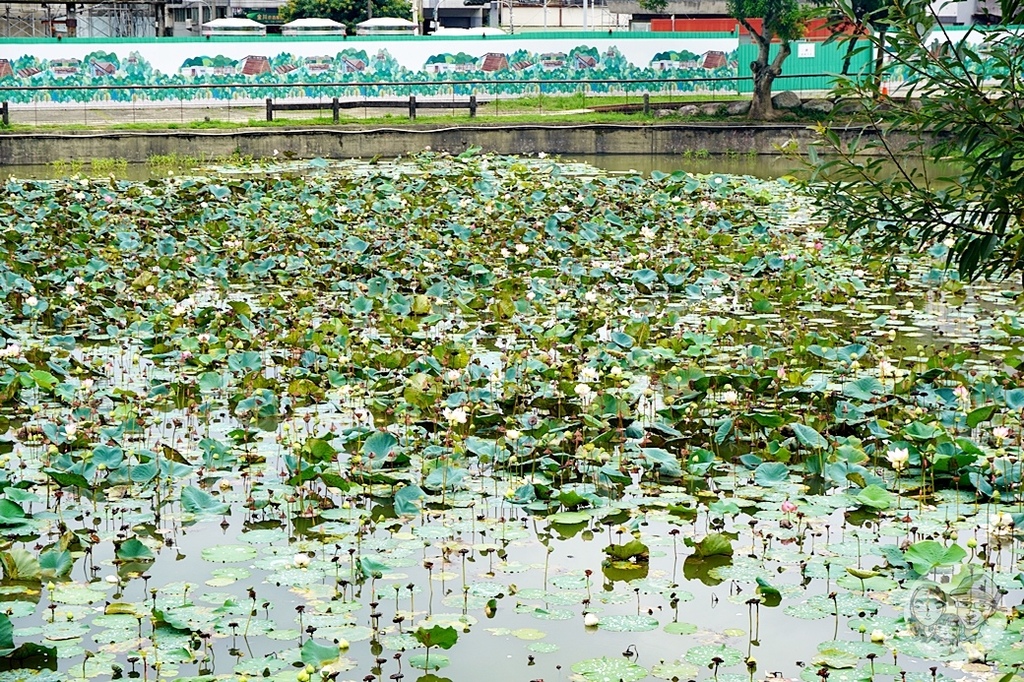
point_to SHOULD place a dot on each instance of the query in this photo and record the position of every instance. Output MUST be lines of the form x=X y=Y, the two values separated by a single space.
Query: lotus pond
x=495 y=418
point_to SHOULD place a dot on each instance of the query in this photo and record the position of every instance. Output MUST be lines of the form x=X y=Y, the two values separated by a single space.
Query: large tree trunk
x=765 y=74
x=761 y=103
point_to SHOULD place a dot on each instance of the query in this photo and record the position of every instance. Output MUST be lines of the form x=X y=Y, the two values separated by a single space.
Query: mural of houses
x=254 y=65
x=714 y=59
x=62 y=68
x=208 y=66
x=669 y=64
x=352 y=65
x=450 y=67
x=494 y=61
x=552 y=60
x=101 y=68
x=583 y=61
x=317 y=64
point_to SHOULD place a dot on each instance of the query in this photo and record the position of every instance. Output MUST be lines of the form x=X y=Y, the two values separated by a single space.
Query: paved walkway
x=95 y=114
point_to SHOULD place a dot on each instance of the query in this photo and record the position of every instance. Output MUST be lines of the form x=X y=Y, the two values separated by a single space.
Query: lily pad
x=609 y=670
x=229 y=554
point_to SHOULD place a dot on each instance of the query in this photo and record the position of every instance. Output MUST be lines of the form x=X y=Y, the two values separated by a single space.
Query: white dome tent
x=236 y=26
x=313 y=27
x=386 y=26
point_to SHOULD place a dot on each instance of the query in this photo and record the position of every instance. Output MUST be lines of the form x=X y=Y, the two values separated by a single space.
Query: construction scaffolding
x=89 y=19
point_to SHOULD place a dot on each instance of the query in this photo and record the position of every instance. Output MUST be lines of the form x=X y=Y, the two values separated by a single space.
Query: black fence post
x=412 y=107
x=270 y=109
x=647 y=104
x=335 y=110
x=5 y=111
x=472 y=106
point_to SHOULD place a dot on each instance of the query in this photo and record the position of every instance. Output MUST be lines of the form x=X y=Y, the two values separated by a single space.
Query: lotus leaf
x=609 y=670
x=705 y=655
x=229 y=554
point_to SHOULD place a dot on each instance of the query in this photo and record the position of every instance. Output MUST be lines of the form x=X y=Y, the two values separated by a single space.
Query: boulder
x=786 y=100
x=689 y=110
x=822 y=106
x=849 y=106
x=739 y=108
x=664 y=113
x=712 y=109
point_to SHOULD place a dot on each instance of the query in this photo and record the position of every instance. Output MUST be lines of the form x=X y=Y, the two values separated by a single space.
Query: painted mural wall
x=382 y=67
x=398 y=67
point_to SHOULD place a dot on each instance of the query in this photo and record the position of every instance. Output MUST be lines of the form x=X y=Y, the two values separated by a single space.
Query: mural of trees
x=365 y=68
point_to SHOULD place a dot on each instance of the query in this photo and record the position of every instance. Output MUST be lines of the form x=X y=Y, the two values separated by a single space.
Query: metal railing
x=233 y=102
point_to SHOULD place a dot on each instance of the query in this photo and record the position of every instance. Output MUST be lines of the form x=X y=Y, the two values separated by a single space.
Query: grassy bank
x=572 y=109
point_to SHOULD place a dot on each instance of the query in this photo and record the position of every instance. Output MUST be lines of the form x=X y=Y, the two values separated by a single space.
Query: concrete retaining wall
x=138 y=146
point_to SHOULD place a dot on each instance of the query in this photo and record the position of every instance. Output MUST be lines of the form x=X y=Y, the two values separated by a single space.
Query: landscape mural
x=365 y=69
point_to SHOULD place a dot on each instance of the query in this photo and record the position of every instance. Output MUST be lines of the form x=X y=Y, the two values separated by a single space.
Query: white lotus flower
x=591 y=620
x=300 y=560
x=455 y=416
x=898 y=458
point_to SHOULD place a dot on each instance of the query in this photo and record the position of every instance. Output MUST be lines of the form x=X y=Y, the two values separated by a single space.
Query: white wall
x=563 y=17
